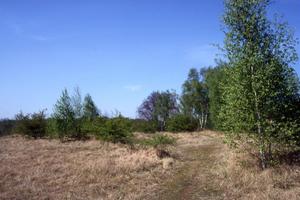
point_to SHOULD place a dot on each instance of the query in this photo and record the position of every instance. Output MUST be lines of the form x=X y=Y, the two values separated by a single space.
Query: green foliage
x=194 y=98
x=215 y=78
x=144 y=126
x=51 y=130
x=260 y=87
x=33 y=125
x=158 y=107
x=74 y=118
x=6 y=126
x=181 y=123
x=159 y=141
x=117 y=130
x=90 y=110
x=93 y=127
x=64 y=116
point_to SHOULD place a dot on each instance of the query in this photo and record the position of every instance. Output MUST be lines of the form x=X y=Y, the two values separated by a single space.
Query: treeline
x=77 y=118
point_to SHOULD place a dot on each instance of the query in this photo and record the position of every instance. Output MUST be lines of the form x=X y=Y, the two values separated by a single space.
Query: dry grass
x=49 y=169
x=243 y=179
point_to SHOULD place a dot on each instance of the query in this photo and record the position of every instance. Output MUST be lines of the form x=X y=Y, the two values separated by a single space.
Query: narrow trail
x=195 y=178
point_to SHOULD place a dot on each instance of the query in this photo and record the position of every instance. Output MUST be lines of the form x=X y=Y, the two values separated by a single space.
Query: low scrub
x=181 y=123
x=144 y=126
x=6 y=126
x=33 y=125
x=158 y=141
x=116 y=130
x=94 y=126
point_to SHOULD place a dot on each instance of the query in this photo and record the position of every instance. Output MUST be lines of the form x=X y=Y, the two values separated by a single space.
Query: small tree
x=64 y=116
x=90 y=110
x=117 y=130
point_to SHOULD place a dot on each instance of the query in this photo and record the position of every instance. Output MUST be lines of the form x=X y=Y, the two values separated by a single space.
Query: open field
x=203 y=168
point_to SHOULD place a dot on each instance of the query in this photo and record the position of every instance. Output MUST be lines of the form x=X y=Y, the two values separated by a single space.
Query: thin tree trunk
x=262 y=150
x=202 y=120
x=205 y=120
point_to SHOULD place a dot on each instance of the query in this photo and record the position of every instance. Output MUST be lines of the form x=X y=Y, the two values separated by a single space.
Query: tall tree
x=214 y=78
x=90 y=110
x=194 y=98
x=76 y=100
x=260 y=84
x=64 y=115
x=158 y=107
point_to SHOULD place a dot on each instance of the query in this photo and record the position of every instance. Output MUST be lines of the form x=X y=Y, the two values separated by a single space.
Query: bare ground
x=204 y=168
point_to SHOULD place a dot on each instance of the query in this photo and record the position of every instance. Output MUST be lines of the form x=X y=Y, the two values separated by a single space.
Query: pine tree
x=90 y=110
x=64 y=115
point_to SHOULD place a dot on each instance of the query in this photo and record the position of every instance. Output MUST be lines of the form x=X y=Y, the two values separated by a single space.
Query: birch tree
x=261 y=86
x=194 y=98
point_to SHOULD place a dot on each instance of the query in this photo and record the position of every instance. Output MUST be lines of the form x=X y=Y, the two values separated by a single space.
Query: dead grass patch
x=49 y=169
x=243 y=179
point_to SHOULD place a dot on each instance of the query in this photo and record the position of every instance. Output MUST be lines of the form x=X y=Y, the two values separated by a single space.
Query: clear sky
x=116 y=50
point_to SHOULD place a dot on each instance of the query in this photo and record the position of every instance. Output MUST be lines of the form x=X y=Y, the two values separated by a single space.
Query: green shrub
x=181 y=123
x=162 y=140
x=93 y=126
x=6 y=126
x=117 y=130
x=51 y=130
x=144 y=126
x=158 y=141
x=33 y=125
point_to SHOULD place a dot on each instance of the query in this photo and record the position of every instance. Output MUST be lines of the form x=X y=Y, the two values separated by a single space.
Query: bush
x=93 y=126
x=162 y=140
x=144 y=126
x=181 y=123
x=159 y=141
x=51 y=130
x=6 y=126
x=33 y=125
x=117 y=130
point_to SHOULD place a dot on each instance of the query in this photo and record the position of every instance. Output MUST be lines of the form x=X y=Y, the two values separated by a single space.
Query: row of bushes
x=117 y=129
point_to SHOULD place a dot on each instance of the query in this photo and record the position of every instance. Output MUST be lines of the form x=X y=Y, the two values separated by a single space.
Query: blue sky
x=116 y=50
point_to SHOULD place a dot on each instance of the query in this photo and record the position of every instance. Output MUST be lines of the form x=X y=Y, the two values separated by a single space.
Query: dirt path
x=195 y=178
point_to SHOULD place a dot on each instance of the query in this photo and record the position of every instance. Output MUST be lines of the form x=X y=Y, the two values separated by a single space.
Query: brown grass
x=49 y=169
x=243 y=179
